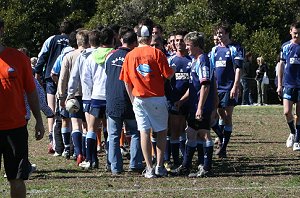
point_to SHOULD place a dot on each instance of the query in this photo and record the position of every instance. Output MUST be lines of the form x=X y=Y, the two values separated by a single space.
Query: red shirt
x=16 y=79
x=145 y=68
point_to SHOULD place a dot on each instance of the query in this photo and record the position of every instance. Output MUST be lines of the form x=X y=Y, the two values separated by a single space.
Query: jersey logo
x=221 y=63
x=144 y=69
x=11 y=70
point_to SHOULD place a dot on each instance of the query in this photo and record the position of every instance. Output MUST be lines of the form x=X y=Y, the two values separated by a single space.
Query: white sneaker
x=85 y=165
x=149 y=173
x=296 y=147
x=290 y=140
x=161 y=171
x=56 y=154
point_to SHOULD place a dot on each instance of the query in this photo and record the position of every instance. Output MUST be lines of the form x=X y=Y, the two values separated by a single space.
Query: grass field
x=258 y=165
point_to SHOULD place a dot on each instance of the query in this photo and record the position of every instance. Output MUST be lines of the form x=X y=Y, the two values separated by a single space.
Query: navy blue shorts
x=291 y=94
x=225 y=100
x=14 y=148
x=51 y=87
x=183 y=110
x=98 y=108
x=86 y=106
x=196 y=124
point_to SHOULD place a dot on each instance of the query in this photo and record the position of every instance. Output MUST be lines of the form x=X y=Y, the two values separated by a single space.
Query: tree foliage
x=259 y=25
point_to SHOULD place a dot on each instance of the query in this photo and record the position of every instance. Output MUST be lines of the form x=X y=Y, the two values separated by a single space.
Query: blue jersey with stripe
x=201 y=72
x=180 y=81
x=225 y=59
x=290 y=55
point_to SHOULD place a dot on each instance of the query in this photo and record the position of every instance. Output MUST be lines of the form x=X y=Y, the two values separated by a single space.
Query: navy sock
x=77 y=141
x=107 y=160
x=50 y=136
x=217 y=129
x=297 y=136
x=208 y=154
x=175 y=152
x=292 y=127
x=188 y=157
x=227 y=135
x=200 y=153
x=182 y=140
x=105 y=134
x=91 y=146
x=66 y=135
x=167 y=154
x=83 y=143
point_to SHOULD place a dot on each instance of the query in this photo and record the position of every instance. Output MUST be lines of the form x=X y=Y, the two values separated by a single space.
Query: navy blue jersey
x=290 y=55
x=201 y=72
x=118 y=103
x=225 y=60
x=180 y=81
x=51 y=50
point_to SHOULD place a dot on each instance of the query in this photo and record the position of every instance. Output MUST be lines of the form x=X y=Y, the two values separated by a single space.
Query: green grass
x=258 y=165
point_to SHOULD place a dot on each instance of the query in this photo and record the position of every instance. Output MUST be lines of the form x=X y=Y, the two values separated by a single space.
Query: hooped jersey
x=178 y=85
x=225 y=60
x=201 y=72
x=290 y=55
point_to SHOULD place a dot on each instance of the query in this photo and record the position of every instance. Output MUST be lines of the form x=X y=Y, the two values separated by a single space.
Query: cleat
x=56 y=154
x=85 y=165
x=161 y=171
x=66 y=154
x=149 y=173
x=296 y=147
x=290 y=140
x=180 y=171
x=168 y=165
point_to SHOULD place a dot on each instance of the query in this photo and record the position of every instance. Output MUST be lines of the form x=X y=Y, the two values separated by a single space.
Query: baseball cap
x=143 y=31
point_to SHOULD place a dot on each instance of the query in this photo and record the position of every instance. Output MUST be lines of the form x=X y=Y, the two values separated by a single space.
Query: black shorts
x=14 y=148
x=196 y=124
x=80 y=113
x=291 y=94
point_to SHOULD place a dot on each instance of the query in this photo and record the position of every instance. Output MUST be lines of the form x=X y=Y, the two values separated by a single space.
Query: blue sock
x=292 y=127
x=175 y=151
x=182 y=140
x=208 y=154
x=105 y=135
x=153 y=140
x=167 y=154
x=188 y=157
x=297 y=136
x=77 y=141
x=200 y=152
x=91 y=146
x=50 y=136
x=227 y=135
x=107 y=160
x=83 y=143
x=66 y=135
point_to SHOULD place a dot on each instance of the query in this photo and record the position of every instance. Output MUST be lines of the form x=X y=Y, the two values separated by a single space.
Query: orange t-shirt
x=144 y=68
x=16 y=79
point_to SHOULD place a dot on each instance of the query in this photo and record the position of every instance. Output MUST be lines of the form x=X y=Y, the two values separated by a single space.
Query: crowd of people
x=161 y=98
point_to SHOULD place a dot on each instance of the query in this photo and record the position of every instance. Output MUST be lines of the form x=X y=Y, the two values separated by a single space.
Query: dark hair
x=115 y=28
x=130 y=37
x=66 y=27
x=72 y=39
x=94 y=38
x=182 y=32
x=248 y=55
x=1 y=23
x=106 y=36
x=123 y=30
x=225 y=26
x=295 y=25
x=157 y=26
x=158 y=38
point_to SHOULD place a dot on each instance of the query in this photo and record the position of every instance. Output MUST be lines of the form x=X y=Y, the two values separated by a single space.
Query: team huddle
x=166 y=98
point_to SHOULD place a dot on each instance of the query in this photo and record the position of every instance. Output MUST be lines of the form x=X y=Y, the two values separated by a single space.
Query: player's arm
x=204 y=91
x=129 y=88
x=280 y=77
x=183 y=99
x=235 y=89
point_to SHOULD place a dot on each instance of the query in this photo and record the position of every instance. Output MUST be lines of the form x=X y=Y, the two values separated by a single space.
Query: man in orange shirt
x=144 y=71
x=16 y=79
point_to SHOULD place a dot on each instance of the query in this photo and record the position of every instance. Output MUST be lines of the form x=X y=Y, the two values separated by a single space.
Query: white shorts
x=151 y=112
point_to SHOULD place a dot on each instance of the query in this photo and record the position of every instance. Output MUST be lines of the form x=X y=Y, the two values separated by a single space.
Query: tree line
x=261 y=26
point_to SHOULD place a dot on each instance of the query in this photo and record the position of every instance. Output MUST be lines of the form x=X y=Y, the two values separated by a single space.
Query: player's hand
x=39 y=131
x=279 y=91
x=234 y=92
x=198 y=115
